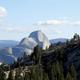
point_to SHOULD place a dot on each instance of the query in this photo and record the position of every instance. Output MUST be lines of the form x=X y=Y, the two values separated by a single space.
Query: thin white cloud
x=58 y=22
x=75 y=23
x=57 y=32
x=55 y=22
x=3 y=12
x=15 y=29
x=51 y=22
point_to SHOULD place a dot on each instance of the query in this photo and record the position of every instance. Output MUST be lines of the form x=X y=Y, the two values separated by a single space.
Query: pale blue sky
x=56 y=18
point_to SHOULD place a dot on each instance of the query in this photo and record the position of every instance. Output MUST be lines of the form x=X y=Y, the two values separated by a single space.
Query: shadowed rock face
x=62 y=40
x=7 y=43
x=28 y=43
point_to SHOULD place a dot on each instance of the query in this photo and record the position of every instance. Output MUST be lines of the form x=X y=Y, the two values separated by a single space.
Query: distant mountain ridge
x=7 y=43
x=62 y=40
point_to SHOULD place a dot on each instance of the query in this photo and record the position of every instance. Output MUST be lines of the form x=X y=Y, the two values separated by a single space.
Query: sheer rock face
x=40 y=38
x=28 y=45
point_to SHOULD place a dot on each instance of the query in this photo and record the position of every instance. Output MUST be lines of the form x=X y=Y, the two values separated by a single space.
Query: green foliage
x=10 y=77
x=47 y=70
x=73 y=72
x=27 y=76
x=69 y=77
x=57 y=71
x=37 y=73
x=36 y=55
x=2 y=75
x=18 y=75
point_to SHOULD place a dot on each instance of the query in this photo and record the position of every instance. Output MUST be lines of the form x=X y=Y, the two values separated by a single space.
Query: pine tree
x=57 y=71
x=18 y=74
x=37 y=71
x=10 y=77
x=2 y=73
x=45 y=76
x=76 y=36
x=68 y=76
x=36 y=55
x=73 y=72
x=27 y=76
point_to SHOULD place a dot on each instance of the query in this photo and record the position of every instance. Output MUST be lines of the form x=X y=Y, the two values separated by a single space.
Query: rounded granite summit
x=40 y=38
